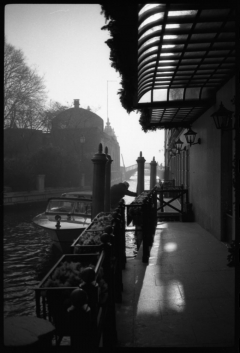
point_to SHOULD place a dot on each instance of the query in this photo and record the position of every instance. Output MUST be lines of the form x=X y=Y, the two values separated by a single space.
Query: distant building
x=77 y=132
x=80 y=131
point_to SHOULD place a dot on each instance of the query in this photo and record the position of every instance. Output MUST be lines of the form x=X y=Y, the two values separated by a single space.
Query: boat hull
x=64 y=220
x=63 y=235
x=63 y=239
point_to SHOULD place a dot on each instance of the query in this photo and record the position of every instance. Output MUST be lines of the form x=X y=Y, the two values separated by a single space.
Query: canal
x=29 y=254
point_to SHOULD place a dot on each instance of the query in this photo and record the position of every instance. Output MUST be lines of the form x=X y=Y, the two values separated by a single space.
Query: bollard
x=140 y=184
x=153 y=173
x=107 y=199
x=99 y=163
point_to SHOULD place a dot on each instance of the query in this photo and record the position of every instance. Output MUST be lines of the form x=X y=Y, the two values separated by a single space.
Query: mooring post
x=153 y=173
x=99 y=163
x=140 y=184
x=107 y=199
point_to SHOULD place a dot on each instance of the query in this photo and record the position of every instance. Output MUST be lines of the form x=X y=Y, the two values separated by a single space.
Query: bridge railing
x=131 y=167
x=147 y=165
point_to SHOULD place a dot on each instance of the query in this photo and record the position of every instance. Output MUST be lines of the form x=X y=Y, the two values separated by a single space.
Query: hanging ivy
x=122 y=25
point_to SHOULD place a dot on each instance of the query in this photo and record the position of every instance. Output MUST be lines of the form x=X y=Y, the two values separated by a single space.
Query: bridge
x=132 y=169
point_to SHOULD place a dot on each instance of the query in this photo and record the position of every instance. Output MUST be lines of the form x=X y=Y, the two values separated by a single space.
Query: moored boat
x=64 y=219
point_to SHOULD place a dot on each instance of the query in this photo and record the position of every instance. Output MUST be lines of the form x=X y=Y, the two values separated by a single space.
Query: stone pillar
x=41 y=182
x=99 y=162
x=107 y=200
x=140 y=184
x=153 y=173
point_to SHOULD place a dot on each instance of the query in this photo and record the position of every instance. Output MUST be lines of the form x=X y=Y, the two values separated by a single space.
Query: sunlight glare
x=147 y=7
x=169 y=247
x=166 y=54
x=168 y=46
x=152 y=18
x=182 y=13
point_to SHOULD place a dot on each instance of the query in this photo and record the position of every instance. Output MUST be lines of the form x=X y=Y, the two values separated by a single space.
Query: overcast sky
x=66 y=45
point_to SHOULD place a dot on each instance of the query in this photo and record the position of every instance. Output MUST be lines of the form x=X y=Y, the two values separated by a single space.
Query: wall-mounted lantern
x=222 y=118
x=178 y=145
x=190 y=137
x=172 y=154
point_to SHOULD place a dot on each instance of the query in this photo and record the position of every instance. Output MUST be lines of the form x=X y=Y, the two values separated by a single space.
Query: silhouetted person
x=118 y=191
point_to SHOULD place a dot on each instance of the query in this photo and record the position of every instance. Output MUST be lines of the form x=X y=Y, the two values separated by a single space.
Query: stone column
x=140 y=184
x=107 y=200
x=99 y=162
x=40 y=182
x=153 y=173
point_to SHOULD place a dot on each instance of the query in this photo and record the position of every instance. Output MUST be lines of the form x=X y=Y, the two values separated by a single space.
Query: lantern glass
x=178 y=144
x=222 y=117
x=190 y=136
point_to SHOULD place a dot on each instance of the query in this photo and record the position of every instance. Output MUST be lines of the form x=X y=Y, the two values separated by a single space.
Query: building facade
x=206 y=168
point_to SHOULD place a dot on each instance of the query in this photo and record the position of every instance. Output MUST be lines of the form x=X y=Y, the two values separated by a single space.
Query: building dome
x=77 y=118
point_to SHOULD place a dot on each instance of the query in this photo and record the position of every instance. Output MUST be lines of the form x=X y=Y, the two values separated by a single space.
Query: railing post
x=107 y=200
x=99 y=162
x=182 y=198
x=140 y=184
x=145 y=234
x=155 y=205
x=153 y=173
x=161 y=198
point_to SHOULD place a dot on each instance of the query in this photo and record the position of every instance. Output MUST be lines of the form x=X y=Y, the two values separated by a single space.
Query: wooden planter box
x=52 y=302
x=78 y=248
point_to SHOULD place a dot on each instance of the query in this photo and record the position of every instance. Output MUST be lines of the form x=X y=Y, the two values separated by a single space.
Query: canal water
x=29 y=254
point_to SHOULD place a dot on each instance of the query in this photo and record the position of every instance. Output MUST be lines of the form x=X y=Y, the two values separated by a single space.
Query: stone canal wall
x=13 y=198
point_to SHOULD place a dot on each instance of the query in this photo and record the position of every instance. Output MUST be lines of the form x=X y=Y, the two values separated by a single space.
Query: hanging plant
x=122 y=25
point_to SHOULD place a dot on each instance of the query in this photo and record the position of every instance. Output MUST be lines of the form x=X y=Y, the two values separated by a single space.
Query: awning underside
x=185 y=54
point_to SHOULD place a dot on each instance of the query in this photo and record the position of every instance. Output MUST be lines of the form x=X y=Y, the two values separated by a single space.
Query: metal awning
x=186 y=52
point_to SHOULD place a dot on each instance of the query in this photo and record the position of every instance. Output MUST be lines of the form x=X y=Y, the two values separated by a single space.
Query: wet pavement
x=184 y=296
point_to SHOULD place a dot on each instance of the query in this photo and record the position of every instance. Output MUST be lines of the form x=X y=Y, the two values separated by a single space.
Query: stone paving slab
x=184 y=296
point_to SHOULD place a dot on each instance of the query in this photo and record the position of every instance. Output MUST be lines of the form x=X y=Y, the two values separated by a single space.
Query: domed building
x=78 y=132
x=77 y=118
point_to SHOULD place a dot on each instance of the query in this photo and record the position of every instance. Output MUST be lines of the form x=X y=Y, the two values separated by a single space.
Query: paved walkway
x=184 y=297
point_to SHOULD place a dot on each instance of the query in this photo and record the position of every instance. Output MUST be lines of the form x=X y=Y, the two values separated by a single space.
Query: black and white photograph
x=121 y=169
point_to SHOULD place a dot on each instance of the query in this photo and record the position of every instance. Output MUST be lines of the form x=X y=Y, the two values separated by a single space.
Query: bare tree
x=24 y=91
x=50 y=112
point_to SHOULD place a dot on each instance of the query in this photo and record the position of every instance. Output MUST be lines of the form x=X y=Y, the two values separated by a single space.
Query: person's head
x=126 y=184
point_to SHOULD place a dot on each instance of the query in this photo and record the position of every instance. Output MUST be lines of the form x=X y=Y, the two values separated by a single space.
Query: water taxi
x=65 y=218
